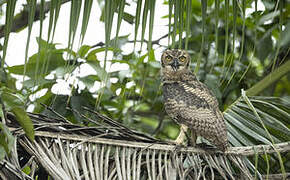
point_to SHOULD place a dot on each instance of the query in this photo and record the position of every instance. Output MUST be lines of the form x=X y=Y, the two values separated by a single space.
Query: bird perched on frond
x=189 y=102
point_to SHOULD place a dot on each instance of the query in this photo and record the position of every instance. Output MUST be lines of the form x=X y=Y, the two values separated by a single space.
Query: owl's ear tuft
x=189 y=59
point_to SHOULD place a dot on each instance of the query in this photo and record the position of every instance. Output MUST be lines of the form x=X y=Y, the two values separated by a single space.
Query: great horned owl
x=189 y=102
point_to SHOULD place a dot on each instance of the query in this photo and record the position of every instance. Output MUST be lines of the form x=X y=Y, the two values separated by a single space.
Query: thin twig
x=56 y=113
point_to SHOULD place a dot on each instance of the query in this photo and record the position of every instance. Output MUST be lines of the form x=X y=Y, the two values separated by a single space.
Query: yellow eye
x=168 y=58
x=182 y=59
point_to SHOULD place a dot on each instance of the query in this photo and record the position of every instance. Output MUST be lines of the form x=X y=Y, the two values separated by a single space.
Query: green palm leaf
x=259 y=120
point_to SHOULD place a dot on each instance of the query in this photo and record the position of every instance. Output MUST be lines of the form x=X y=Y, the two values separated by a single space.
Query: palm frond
x=240 y=117
x=8 y=21
x=70 y=151
x=111 y=150
x=203 y=11
x=151 y=21
x=256 y=120
x=120 y=15
x=187 y=23
x=144 y=20
x=32 y=6
x=86 y=16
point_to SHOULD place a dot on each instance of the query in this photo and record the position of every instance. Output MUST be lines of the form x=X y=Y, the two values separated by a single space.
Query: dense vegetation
x=243 y=57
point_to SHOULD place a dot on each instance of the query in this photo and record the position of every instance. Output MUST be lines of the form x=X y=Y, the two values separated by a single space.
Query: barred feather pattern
x=189 y=102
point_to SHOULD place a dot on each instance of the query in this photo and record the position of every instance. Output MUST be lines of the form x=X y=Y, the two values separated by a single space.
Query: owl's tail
x=222 y=139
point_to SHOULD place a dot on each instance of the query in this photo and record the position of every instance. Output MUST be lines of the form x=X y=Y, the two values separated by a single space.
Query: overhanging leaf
x=32 y=6
x=25 y=121
x=8 y=24
x=86 y=17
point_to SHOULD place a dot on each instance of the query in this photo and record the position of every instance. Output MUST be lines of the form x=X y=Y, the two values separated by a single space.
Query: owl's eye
x=168 y=58
x=182 y=59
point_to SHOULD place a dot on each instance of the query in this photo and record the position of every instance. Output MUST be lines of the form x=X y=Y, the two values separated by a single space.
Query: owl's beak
x=175 y=64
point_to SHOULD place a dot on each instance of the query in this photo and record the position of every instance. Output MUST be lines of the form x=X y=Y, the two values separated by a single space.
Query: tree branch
x=20 y=21
x=153 y=42
x=276 y=176
x=244 y=151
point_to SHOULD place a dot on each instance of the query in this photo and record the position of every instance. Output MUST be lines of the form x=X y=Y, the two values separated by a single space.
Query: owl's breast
x=171 y=103
x=170 y=91
x=179 y=93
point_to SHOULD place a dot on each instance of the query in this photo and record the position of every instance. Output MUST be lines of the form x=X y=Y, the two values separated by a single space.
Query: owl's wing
x=208 y=123
x=193 y=105
x=201 y=91
x=192 y=94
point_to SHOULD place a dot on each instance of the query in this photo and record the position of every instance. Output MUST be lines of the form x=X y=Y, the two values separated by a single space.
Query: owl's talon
x=205 y=146
x=182 y=136
x=208 y=147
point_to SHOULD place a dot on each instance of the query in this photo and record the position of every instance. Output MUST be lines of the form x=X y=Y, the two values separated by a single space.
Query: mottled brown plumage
x=189 y=102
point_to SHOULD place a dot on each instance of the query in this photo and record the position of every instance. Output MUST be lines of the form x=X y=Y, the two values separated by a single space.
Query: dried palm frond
x=113 y=151
x=10 y=171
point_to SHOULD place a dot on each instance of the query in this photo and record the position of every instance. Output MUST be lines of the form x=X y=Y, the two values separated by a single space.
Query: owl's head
x=175 y=60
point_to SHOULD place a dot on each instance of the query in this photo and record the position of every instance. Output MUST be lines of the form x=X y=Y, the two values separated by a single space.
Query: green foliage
x=8 y=21
x=48 y=59
x=13 y=102
x=7 y=140
x=25 y=121
x=86 y=16
x=32 y=6
x=230 y=51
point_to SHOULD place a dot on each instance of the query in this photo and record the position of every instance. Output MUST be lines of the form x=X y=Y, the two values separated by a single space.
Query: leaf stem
x=269 y=79
x=268 y=133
